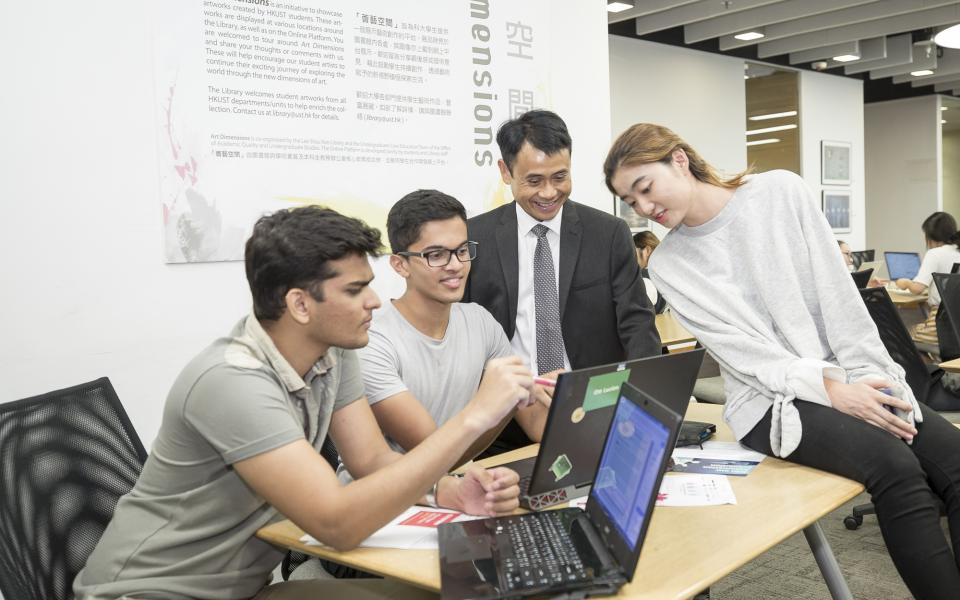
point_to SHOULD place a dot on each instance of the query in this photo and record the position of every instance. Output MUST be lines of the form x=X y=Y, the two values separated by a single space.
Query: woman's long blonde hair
x=645 y=143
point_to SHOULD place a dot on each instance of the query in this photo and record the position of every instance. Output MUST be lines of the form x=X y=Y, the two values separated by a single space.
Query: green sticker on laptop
x=561 y=467
x=603 y=390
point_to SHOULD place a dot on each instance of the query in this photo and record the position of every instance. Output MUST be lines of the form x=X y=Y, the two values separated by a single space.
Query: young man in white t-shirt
x=427 y=350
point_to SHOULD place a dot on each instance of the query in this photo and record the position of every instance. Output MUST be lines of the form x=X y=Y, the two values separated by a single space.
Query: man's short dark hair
x=416 y=209
x=292 y=248
x=545 y=131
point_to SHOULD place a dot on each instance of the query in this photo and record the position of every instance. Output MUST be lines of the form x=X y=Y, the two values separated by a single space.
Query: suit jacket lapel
x=507 y=249
x=570 y=235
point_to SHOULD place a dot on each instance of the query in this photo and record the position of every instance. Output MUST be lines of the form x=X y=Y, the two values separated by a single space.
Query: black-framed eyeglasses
x=440 y=257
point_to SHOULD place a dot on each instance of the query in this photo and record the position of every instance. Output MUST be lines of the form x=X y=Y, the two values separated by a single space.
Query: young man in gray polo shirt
x=427 y=350
x=238 y=447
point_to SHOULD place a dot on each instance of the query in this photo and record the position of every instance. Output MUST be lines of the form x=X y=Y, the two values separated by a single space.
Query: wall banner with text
x=266 y=104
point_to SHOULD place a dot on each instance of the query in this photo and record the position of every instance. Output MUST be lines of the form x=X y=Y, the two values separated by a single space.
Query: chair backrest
x=66 y=457
x=862 y=256
x=955 y=268
x=862 y=278
x=948 y=315
x=896 y=339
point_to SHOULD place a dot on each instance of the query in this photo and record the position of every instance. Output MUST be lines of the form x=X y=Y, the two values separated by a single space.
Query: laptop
x=583 y=404
x=902 y=265
x=591 y=551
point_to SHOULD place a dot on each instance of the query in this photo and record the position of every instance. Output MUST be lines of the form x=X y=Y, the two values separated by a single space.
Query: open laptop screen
x=629 y=472
x=902 y=265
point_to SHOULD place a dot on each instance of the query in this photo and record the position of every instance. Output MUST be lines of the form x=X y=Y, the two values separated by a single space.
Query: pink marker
x=545 y=382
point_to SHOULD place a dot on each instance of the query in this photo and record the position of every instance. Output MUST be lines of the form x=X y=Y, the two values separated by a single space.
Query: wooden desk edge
x=287 y=535
x=951 y=366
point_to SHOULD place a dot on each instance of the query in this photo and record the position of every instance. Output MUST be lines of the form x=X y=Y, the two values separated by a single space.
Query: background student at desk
x=941 y=237
x=646 y=242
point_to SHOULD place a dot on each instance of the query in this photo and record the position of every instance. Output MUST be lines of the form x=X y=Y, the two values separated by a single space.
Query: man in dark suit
x=560 y=277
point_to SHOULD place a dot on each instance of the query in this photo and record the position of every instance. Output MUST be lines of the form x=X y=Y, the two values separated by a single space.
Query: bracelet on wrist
x=431 y=499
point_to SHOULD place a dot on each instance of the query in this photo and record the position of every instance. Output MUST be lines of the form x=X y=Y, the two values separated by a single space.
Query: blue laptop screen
x=630 y=468
x=902 y=265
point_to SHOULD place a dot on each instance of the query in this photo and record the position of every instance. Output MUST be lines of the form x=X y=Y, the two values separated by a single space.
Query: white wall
x=581 y=92
x=85 y=290
x=831 y=108
x=951 y=171
x=698 y=95
x=701 y=97
x=903 y=188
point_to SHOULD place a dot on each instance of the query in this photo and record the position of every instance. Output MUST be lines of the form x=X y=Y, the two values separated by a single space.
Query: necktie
x=547 y=306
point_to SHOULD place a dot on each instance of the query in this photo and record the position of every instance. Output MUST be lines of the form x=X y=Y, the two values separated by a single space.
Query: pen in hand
x=544 y=381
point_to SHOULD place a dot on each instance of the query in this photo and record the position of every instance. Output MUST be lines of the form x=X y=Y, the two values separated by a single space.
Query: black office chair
x=955 y=268
x=861 y=256
x=896 y=339
x=862 y=278
x=66 y=457
x=924 y=381
x=948 y=314
x=922 y=378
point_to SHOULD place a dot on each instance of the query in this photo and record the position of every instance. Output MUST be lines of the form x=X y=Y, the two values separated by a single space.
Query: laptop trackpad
x=462 y=549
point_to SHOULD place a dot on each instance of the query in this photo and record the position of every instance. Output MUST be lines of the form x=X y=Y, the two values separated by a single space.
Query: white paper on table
x=686 y=489
x=422 y=536
x=720 y=451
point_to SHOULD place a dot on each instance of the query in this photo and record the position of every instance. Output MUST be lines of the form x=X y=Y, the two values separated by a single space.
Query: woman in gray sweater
x=751 y=268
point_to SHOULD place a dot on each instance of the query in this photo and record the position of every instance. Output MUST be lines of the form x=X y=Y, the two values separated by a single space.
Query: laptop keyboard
x=544 y=554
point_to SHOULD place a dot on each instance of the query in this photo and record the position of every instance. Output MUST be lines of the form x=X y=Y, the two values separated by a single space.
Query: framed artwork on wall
x=634 y=220
x=836 y=207
x=834 y=163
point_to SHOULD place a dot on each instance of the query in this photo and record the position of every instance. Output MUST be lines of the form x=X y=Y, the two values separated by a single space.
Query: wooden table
x=901 y=300
x=671 y=332
x=951 y=366
x=686 y=549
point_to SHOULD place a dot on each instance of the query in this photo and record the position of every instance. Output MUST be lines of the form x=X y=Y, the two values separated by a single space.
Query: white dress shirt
x=524 y=340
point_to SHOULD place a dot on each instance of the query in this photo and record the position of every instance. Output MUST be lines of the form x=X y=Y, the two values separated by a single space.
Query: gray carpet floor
x=789 y=570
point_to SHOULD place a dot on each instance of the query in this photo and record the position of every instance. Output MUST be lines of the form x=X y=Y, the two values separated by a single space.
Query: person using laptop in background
x=560 y=277
x=804 y=368
x=848 y=260
x=428 y=351
x=847 y=254
x=238 y=447
x=940 y=234
x=646 y=242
